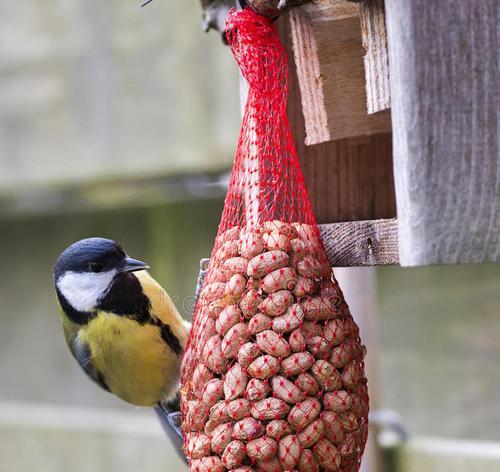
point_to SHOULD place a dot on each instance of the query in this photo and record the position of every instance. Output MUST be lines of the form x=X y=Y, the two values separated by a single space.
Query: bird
x=120 y=325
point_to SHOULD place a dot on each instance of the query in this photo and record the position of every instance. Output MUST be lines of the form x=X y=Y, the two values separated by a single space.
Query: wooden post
x=376 y=59
x=445 y=80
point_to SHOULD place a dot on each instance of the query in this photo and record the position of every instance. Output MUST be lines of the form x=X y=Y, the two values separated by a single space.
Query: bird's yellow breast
x=133 y=359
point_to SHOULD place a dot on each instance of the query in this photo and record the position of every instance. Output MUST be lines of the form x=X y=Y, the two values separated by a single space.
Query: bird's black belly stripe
x=170 y=338
x=126 y=298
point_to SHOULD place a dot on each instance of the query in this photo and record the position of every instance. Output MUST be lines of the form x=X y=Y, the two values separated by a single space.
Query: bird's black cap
x=95 y=254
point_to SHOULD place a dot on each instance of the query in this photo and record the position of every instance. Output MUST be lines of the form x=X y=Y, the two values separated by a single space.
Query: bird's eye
x=95 y=267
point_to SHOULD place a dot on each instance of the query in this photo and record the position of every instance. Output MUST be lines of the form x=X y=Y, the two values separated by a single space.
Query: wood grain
x=445 y=79
x=328 y=54
x=348 y=179
x=376 y=59
x=361 y=243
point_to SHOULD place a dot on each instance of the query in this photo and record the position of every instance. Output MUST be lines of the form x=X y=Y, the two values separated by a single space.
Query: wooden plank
x=348 y=179
x=328 y=53
x=376 y=59
x=444 y=76
x=361 y=243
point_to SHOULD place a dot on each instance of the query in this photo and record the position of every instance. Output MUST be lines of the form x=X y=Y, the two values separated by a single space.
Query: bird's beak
x=132 y=265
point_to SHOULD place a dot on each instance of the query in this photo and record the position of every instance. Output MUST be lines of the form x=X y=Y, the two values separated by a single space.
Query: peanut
x=231 y=234
x=288 y=229
x=276 y=303
x=227 y=250
x=307 y=384
x=318 y=308
x=286 y=390
x=215 y=308
x=334 y=431
x=297 y=341
x=233 y=266
x=276 y=240
x=272 y=343
x=221 y=437
x=249 y=303
x=261 y=449
x=269 y=409
x=196 y=415
x=307 y=462
x=319 y=347
x=280 y=279
x=264 y=367
x=290 y=321
x=219 y=413
x=227 y=319
x=326 y=375
x=217 y=275
x=251 y=244
x=267 y=262
x=213 y=291
x=238 y=409
x=272 y=465
x=235 y=382
x=327 y=455
x=297 y=248
x=338 y=401
x=212 y=393
x=207 y=464
x=336 y=331
x=352 y=375
x=201 y=376
x=276 y=429
x=304 y=413
x=235 y=287
x=348 y=421
x=198 y=445
x=234 y=338
x=297 y=363
x=257 y=390
x=234 y=454
x=343 y=354
x=247 y=353
x=259 y=323
x=248 y=429
x=311 y=434
x=212 y=352
x=289 y=451
x=304 y=287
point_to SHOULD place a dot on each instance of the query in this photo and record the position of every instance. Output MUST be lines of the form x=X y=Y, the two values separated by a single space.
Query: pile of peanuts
x=273 y=375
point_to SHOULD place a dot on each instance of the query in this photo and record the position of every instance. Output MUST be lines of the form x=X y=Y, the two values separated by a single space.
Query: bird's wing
x=162 y=308
x=81 y=352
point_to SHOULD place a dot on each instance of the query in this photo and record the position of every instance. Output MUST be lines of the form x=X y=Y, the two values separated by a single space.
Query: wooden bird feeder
x=394 y=108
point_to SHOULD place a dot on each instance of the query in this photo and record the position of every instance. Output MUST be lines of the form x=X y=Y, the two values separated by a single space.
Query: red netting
x=273 y=375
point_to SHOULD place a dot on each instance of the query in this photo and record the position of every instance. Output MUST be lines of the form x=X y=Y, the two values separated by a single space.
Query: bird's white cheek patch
x=83 y=290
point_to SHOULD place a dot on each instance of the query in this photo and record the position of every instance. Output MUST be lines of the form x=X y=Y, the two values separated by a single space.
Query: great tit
x=119 y=323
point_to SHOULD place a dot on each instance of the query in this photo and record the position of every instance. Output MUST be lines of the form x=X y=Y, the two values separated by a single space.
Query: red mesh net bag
x=273 y=375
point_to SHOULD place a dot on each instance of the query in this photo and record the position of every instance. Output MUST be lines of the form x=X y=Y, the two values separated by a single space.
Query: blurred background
x=122 y=122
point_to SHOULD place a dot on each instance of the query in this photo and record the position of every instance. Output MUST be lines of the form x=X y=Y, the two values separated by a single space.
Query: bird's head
x=86 y=270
